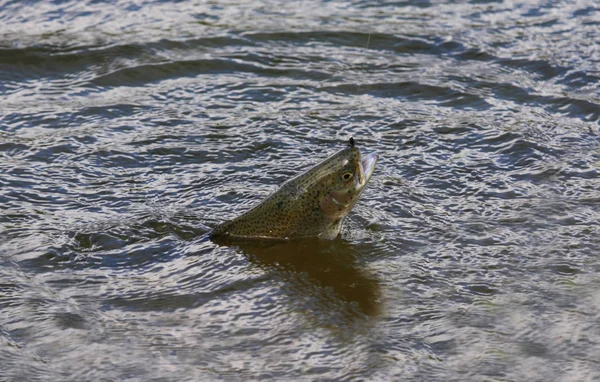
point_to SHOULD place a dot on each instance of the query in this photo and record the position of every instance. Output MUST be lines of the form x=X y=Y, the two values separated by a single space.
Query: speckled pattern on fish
x=312 y=204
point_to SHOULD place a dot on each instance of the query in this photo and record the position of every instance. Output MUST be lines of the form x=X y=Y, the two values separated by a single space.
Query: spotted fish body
x=312 y=204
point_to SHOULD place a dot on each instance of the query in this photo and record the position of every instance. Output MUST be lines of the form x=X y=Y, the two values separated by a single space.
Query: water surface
x=127 y=129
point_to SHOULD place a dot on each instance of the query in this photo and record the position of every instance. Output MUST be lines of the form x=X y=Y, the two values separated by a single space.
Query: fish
x=311 y=204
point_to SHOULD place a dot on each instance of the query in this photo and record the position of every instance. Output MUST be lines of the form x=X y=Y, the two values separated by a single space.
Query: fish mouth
x=367 y=165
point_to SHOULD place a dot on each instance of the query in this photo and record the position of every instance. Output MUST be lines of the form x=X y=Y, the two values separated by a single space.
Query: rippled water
x=129 y=128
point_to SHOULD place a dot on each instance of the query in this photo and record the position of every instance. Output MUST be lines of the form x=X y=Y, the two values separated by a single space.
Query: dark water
x=127 y=128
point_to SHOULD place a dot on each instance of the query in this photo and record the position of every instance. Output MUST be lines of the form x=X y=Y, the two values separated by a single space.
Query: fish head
x=349 y=173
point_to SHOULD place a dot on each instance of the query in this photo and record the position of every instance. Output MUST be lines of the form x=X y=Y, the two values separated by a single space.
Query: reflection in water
x=322 y=276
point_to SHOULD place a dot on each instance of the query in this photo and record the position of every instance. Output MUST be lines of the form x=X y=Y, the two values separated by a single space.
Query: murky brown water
x=129 y=128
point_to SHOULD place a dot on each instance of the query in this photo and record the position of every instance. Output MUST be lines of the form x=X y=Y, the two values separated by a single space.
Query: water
x=128 y=128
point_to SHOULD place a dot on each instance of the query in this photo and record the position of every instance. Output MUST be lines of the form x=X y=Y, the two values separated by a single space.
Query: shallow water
x=127 y=129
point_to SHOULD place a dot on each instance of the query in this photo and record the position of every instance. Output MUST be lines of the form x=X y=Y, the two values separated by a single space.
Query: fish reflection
x=322 y=276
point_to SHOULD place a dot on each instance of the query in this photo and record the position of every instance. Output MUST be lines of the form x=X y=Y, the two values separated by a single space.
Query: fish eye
x=347 y=176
